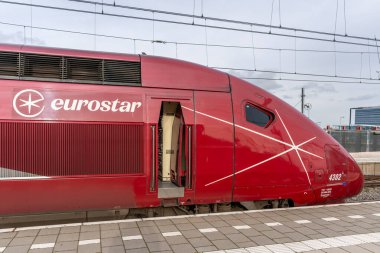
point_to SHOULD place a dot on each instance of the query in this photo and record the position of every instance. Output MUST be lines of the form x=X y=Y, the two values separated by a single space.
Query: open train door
x=171 y=120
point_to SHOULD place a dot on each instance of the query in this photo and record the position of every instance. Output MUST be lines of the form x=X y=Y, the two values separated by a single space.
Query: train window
x=258 y=116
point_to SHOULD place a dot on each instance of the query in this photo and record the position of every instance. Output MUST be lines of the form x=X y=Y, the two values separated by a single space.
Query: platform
x=353 y=227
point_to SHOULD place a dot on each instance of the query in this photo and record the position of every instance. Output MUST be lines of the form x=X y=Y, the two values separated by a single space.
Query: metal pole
x=349 y=122
x=302 y=99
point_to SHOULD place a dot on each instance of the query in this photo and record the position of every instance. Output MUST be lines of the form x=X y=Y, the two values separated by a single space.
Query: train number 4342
x=335 y=177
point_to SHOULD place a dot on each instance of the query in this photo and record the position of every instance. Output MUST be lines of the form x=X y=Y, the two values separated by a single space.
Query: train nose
x=355 y=179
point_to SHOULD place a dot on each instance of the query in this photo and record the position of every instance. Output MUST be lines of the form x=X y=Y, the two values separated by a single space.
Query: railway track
x=371 y=181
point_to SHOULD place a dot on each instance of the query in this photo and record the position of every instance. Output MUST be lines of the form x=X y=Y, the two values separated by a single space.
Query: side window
x=257 y=115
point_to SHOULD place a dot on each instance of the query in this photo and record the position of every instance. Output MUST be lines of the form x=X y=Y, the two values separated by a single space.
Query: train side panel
x=267 y=163
x=215 y=147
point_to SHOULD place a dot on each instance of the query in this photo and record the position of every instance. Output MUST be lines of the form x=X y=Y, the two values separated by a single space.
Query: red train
x=91 y=131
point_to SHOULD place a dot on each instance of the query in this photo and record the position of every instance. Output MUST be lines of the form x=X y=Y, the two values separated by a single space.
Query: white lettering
x=114 y=103
x=135 y=105
x=106 y=106
x=57 y=104
x=67 y=106
x=94 y=105
x=91 y=105
x=125 y=106
x=80 y=103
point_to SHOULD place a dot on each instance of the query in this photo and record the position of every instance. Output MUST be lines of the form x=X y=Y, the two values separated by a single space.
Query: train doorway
x=173 y=147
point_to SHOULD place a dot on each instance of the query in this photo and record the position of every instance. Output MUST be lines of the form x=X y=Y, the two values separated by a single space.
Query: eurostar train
x=83 y=130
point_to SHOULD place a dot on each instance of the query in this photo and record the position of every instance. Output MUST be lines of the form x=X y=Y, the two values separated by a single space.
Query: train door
x=171 y=121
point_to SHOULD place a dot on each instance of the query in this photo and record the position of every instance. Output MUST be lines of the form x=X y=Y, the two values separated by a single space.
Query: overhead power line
x=307 y=80
x=299 y=73
x=187 y=43
x=198 y=25
x=360 y=79
x=224 y=20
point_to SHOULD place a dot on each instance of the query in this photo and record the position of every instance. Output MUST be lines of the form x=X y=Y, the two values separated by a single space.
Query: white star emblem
x=30 y=99
x=29 y=103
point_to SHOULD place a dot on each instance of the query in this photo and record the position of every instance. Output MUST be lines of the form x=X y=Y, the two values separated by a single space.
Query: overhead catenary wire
x=298 y=73
x=202 y=16
x=199 y=25
x=190 y=43
x=201 y=44
x=306 y=80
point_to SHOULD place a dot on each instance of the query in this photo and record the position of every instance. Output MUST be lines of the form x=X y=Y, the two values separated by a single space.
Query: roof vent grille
x=9 y=64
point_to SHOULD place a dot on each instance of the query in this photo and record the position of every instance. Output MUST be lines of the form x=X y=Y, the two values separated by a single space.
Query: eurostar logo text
x=28 y=103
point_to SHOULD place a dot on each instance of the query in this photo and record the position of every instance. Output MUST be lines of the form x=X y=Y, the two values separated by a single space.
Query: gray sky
x=330 y=101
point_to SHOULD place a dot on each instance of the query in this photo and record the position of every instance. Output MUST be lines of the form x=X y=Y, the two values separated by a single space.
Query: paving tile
x=250 y=232
x=113 y=241
x=17 y=249
x=228 y=230
x=224 y=244
x=114 y=249
x=238 y=238
x=180 y=248
x=90 y=248
x=196 y=220
x=49 y=231
x=163 y=222
x=148 y=223
x=68 y=237
x=140 y=250
x=200 y=225
x=215 y=236
x=154 y=238
x=173 y=240
x=185 y=226
x=18 y=241
x=167 y=228
x=112 y=226
x=45 y=239
x=245 y=244
x=158 y=246
x=27 y=233
x=130 y=231
x=206 y=249
x=89 y=228
x=64 y=246
x=355 y=249
x=218 y=223
x=282 y=240
x=89 y=235
x=70 y=230
x=261 y=240
x=370 y=246
x=48 y=250
x=128 y=225
x=134 y=244
x=191 y=234
x=273 y=234
x=149 y=230
x=110 y=233
x=334 y=250
x=7 y=235
x=5 y=242
x=200 y=242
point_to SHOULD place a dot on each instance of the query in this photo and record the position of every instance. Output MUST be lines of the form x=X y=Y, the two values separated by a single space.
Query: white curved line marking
x=296 y=149
x=292 y=146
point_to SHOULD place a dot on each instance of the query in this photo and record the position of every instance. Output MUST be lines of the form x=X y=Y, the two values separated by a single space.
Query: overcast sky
x=330 y=101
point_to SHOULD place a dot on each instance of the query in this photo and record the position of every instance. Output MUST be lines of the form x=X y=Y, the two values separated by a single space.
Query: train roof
x=147 y=71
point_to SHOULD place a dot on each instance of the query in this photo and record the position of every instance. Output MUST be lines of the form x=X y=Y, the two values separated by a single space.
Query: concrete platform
x=351 y=227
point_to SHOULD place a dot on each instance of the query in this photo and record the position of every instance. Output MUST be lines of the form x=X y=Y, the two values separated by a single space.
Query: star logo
x=28 y=103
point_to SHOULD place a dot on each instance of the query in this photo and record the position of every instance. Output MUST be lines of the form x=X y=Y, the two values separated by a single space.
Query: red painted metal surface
x=181 y=75
x=232 y=159
x=71 y=149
